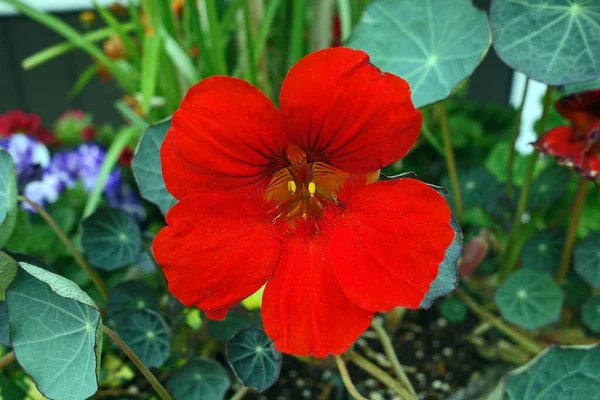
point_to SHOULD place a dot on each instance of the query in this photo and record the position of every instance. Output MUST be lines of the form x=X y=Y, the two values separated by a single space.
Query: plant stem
x=160 y=390
x=297 y=38
x=346 y=379
x=69 y=245
x=345 y=13
x=450 y=161
x=513 y=140
x=216 y=44
x=527 y=344
x=241 y=392
x=565 y=260
x=507 y=261
x=380 y=375
x=388 y=348
x=7 y=359
x=431 y=139
x=320 y=30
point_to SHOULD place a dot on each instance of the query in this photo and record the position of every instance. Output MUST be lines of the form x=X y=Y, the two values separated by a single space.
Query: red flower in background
x=289 y=198
x=16 y=121
x=578 y=145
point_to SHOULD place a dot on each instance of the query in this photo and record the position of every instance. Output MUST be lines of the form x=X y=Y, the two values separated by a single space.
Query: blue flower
x=30 y=156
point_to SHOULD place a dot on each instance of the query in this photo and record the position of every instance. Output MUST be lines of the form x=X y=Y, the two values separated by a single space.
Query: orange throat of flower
x=305 y=191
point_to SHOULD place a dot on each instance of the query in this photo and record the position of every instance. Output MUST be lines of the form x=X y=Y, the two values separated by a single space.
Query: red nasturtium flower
x=17 y=121
x=288 y=197
x=578 y=145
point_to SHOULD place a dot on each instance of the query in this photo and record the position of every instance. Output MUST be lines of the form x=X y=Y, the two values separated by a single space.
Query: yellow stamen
x=312 y=188
x=292 y=186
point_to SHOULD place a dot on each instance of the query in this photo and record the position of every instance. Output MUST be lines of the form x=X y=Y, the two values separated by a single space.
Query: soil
x=435 y=353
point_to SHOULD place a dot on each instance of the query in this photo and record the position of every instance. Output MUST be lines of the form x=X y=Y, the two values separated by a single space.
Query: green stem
x=565 y=260
x=432 y=140
x=297 y=38
x=7 y=359
x=450 y=161
x=345 y=12
x=215 y=38
x=320 y=30
x=507 y=261
x=95 y=278
x=513 y=140
x=526 y=343
x=241 y=392
x=388 y=348
x=380 y=375
x=347 y=380
x=160 y=390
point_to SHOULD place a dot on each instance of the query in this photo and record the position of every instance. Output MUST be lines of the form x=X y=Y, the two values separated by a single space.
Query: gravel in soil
x=436 y=355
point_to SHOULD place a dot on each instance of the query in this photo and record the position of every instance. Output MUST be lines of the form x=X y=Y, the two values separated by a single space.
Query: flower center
x=305 y=191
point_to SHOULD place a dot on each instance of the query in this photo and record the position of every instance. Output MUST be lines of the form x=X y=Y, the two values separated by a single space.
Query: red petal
x=226 y=135
x=561 y=142
x=341 y=109
x=304 y=310
x=209 y=251
x=388 y=244
x=582 y=109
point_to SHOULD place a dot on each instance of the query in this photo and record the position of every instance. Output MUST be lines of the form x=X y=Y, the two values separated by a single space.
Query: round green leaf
x=146 y=333
x=476 y=185
x=56 y=333
x=529 y=299
x=147 y=168
x=453 y=309
x=254 y=359
x=200 y=378
x=587 y=260
x=590 y=314
x=558 y=373
x=542 y=251
x=433 y=44
x=8 y=271
x=447 y=277
x=132 y=295
x=111 y=239
x=8 y=197
x=556 y=42
x=549 y=187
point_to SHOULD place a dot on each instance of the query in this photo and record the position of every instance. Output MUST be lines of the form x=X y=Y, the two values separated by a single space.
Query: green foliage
x=587 y=260
x=476 y=184
x=8 y=271
x=434 y=45
x=555 y=43
x=147 y=168
x=549 y=187
x=200 y=378
x=453 y=309
x=590 y=314
x=8 y=197
x=556 y=374
x=447 y=278
x=132 y=295
x=49 y=314
x=254 y=359
x=576 y=290
x=4 y=328
x=225 y=329
x=111 y=239
x=542 y=251
x=529 y=299
x=146 y=333
x=497 y=163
